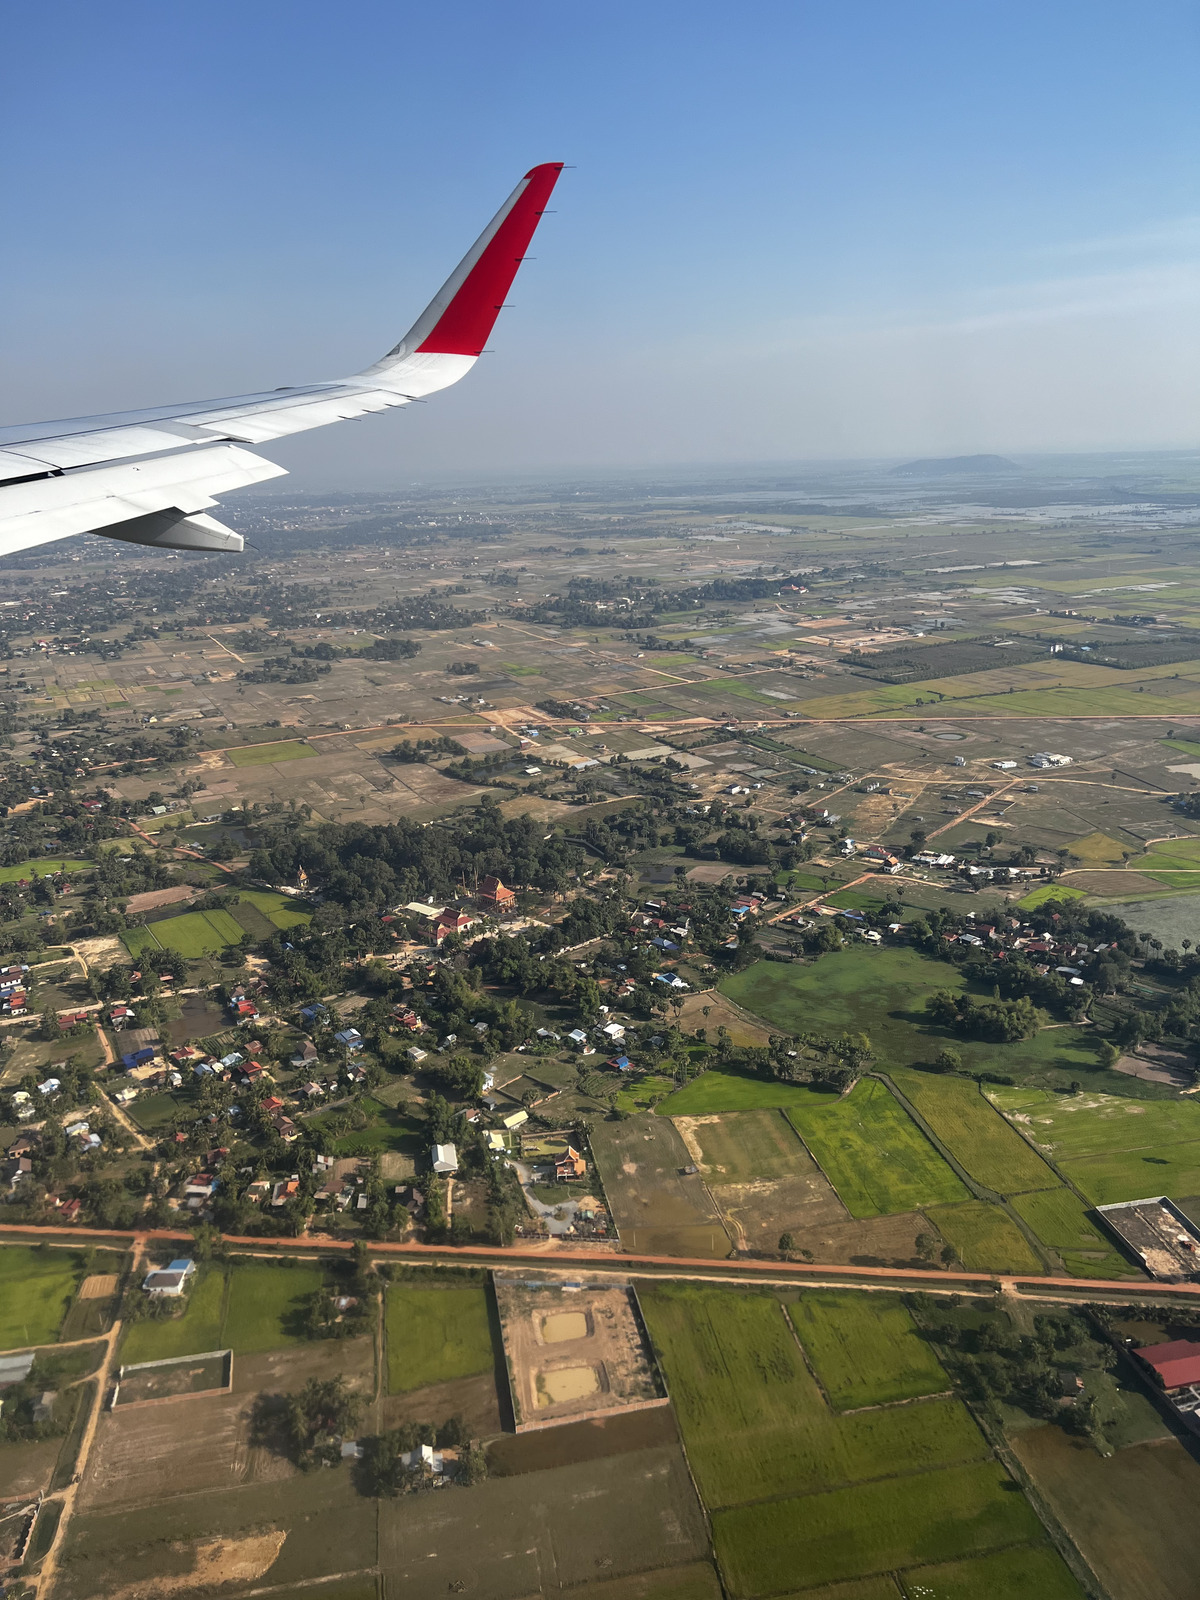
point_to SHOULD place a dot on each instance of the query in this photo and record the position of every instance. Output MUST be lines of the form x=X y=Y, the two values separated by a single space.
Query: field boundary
x=226 y=1387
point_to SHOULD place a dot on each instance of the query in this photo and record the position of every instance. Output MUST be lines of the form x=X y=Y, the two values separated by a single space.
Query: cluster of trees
x=999 y=1021
x=995 y=1365
x=424 y=750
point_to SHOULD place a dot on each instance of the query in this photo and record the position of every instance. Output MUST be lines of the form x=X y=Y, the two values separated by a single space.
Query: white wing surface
x=149 y=477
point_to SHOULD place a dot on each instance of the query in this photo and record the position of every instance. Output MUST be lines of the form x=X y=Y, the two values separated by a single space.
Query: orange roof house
x=495 y=895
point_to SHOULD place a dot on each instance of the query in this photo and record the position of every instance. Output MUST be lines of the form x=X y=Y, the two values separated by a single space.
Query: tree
x=948 y=1060
x=316 y=1420
x=786 y=1243
x=926 y=1247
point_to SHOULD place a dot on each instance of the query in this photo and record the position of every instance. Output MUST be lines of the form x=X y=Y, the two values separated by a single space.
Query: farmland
x=1059 y=1218
x=985 y=1238
x=258 y=755
x=1131 y=1514
x=743 y=1147
x=872 y=1152
x=247 y=1308
x=755 y=1422
x=436 y=1334
x=37 y=1286
x=716 y=1091
x=951 y=1514
x=865 y=1349
x=657 y=1206
x=993 y=1153
x=1113 y=1149
x=194 y=934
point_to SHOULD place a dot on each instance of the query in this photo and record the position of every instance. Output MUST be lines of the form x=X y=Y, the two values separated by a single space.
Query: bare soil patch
x=26 y=1468
x=99 y=1286
x=1157 y=1064
x=581 y=1441
x=573 y=1348
x=214 y=1562
x=473 y=1399
x=744 y=1027
x=1116 y=880
x=153 y=898
x=659 y=1207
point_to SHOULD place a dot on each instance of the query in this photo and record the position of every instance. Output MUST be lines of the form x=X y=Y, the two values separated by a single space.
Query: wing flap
x=96 y=498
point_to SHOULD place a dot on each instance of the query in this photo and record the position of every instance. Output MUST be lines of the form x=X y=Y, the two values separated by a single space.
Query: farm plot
x=790 y=1194
x=864 y=1348
x=279 y=910
x=744 y=1147
x=874 y=1527
x=249 y=1307
x=872 y=1152
x=37 y=1286
x=993 y=1153
x=753 y=1419
x=1132 y=1514
x=715 y=1091
x=1060 y=1220
x=197 y=1330
x=434 y=1335
x=985 y=1238
x=261 y=755
x=658 y=1207
x=620 y=1515
x=1113 y=1149
x=195 y=934
x=1019 y=1573
x=265 y=1310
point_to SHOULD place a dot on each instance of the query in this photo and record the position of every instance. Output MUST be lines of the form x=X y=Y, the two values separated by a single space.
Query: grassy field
x=261 y=755
x=882 y=992
x=985 y=1238
x=194 y=934
x=1060 y=1220
x=278 y=909
x=39 y=869
x=872 y=1152
x=1113 y=1149
x=436 y=1334
x=264 y=1305
x=1049 y=891
x=747 y=1146
x=873 y=1527
x=716 y=1091
x=1025 y=1572
x=981 y=1141
x=864 y=1348
x=198 y=1329
x=753 y=1419
x=247 y=1307
x=36 y=1288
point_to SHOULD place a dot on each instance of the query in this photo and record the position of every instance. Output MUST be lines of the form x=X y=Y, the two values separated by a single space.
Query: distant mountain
x=956 y=467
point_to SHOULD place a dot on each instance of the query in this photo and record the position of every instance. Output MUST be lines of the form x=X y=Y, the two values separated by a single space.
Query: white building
x=445 y=1160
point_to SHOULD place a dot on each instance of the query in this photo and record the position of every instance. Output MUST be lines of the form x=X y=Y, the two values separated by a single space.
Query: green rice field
x=247 y=1307
x=261 y=755
x=872 y=1152
x=981 y=1141
x=197 y=1330
x=36 y=1289
x=1060 y=1220
x=1022 y=1572
x=1113 y=1149
x=436 y=1334
x=753 y=1418
x=194 y=934
x=948 y=1515
x=716 y=1091
x=864 y=1348
x=985 y=1238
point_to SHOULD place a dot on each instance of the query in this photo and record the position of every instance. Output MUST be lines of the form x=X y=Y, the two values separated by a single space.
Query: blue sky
x=793 y=232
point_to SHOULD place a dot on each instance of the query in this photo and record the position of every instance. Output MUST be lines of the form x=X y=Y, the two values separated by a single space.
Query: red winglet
x=464 y=326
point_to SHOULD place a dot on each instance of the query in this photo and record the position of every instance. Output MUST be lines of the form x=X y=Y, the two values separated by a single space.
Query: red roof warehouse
x=1177 y=1363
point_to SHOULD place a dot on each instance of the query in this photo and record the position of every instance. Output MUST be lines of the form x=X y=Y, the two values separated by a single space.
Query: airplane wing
x=149 y=477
